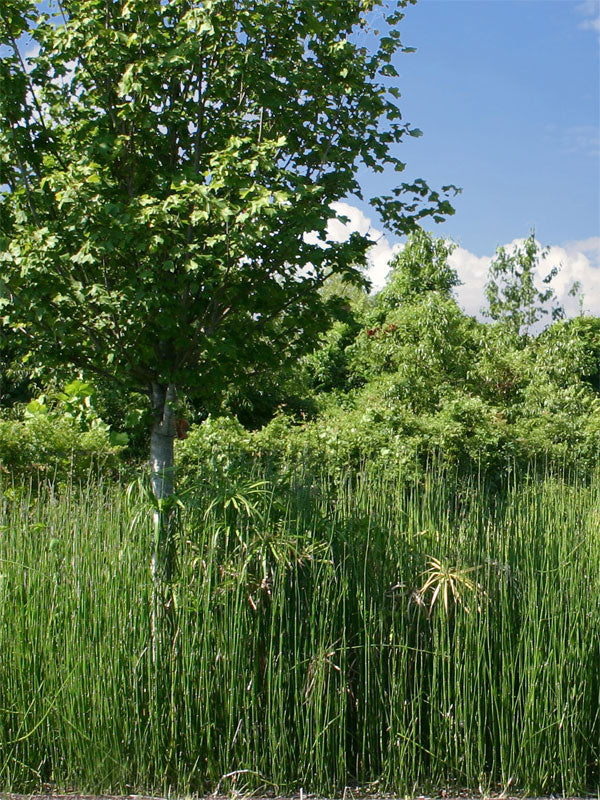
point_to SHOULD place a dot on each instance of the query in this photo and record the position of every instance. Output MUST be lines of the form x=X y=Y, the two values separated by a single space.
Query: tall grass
x=319 y=635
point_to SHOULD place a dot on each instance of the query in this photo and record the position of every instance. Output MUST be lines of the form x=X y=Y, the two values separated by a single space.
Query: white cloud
x=382 y=251
x=357 y=223
x=472 y=271
x=590 y=9
x=577 y=262
x=379 y=254
x=591 y=245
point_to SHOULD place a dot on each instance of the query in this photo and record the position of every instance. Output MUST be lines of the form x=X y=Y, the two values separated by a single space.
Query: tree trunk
x=163 y=620
x=162 y=479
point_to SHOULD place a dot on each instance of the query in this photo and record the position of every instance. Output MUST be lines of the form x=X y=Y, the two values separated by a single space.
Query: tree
x=421 y=266
x=15 y=380
x=161 y=163
x=570 y=349
x=419 y=343
x=511 y=292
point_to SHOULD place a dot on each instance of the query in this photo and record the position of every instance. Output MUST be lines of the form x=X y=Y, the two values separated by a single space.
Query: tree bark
x=161 y=443
x=162 y=479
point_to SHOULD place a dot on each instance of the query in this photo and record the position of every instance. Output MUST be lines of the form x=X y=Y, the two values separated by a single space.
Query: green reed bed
x=318 y=635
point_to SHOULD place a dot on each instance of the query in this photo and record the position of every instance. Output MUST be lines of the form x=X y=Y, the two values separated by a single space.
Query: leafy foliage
x=60 y=436
x=163 y=165
x=420 y=267
x=412 y=378
x=15 y=378
x=46 y=446
x=512 y=294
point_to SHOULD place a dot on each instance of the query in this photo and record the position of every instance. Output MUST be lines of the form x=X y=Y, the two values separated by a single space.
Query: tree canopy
x=512 y=295
x=162 y=163
x=421 y=266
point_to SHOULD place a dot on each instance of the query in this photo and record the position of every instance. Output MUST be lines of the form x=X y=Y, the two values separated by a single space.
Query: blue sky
x=507 y=94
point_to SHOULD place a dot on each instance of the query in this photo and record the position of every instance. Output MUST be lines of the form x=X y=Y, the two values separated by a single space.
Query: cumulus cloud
x=590 y=11
x=472 y=271
x=357 y=223
x=379 y=255
x=577 y=262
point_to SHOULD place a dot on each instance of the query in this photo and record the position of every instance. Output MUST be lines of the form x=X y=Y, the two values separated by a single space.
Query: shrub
x=55 y=447
x=60 y=436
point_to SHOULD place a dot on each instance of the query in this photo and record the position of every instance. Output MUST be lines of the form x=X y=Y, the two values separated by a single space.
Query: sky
x=507 y=94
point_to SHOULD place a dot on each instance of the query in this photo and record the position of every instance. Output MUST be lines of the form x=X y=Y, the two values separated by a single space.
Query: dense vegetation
x=388 y=567
x=379 y=565
x=399 y=378
x=322 y=634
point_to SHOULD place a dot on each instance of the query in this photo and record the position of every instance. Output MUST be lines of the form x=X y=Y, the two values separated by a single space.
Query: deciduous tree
x=161 y=162
x=512 y=294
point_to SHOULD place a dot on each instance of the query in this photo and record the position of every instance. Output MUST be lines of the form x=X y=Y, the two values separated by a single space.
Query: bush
x=50 y=446
x=220 y=445
x=373 y=430
x=60 y=437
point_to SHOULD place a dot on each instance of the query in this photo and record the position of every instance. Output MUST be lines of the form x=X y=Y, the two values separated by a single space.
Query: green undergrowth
x=319 y=634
